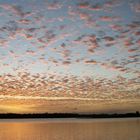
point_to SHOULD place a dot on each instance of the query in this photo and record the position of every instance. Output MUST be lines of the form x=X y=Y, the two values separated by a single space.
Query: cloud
x=65 y=87
x=16 y=10
x=90 y=40
x=113 y=66
x=134 y=56
x=133 y=50
x=83 y=5
x=135 y=7
x=128 y=42
x=109 y=18
x=54 y=6
x=66 y=62
x=138 y=41
x=137 y=33
x=108 y=38
x=30 y=52
x=66 y=53
x=91 y=50
x=109 y=41
x=96 y=7
x=24 y=21
x=3 y=42
x=91 y=62
x=116 y=27
x=112 y=3
x=89 y=6
x=84 y=16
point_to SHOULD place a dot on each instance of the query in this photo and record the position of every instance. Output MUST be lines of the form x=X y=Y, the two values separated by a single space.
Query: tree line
x=67 y=115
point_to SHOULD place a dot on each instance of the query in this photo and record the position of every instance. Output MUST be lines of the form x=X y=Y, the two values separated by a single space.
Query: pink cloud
x=112 y=3
x=137 y=33
x=54 y=6
x=136 y=7
x=24 y=21
x=29 y=37
x=15 y=10
x=109 y=18
x=84 y=16
x=128 y=42
x=113 y=67
x=88 y=6
x=30 y=52
x=138 y=42
x=132 y=50
x=116 y=27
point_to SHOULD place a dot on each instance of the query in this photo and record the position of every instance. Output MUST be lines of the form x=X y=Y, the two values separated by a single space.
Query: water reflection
x=122 y=129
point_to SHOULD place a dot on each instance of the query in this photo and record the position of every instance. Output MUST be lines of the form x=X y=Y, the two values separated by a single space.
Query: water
x=70 y=129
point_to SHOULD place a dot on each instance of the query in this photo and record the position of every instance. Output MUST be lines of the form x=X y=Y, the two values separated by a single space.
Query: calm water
x=70 y=129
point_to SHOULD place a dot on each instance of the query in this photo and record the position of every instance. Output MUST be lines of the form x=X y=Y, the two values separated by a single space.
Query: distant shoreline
x=68 y=115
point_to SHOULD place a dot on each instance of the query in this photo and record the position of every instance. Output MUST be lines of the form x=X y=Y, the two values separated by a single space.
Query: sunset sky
x=69 y=56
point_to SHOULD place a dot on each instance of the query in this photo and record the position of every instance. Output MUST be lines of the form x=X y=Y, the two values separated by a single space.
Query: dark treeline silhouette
x=67 y=115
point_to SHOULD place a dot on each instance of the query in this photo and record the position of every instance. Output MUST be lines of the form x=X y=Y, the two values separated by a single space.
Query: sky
x=69 y=56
